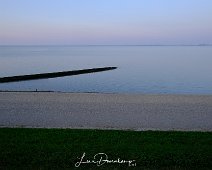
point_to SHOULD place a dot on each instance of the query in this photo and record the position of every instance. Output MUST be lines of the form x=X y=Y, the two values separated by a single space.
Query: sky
x=105 y=22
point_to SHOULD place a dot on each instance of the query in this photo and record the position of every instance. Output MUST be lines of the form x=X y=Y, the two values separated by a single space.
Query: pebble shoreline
x=106 y=111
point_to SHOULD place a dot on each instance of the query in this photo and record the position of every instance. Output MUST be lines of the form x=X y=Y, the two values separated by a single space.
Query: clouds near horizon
x=105 y=22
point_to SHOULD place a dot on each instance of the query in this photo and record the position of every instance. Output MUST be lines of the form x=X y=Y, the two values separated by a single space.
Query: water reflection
x=141 y=69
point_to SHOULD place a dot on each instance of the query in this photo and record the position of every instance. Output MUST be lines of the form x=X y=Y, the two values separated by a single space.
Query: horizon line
x=202 y=44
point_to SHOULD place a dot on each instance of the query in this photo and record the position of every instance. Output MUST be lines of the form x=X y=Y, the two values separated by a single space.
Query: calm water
x=141 y=69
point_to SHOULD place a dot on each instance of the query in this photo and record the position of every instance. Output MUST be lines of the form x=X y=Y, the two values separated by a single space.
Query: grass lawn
x=22 y=148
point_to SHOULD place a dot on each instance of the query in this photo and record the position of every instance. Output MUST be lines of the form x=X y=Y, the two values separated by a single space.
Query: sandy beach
x=106 y=111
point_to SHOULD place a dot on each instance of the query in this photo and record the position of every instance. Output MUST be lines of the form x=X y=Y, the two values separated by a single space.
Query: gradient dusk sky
x=101 y=22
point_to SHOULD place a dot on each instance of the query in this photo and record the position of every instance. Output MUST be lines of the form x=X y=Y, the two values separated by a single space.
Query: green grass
x=22 y=148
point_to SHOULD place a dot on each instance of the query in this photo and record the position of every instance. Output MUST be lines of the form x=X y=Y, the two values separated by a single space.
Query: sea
x=140 y=69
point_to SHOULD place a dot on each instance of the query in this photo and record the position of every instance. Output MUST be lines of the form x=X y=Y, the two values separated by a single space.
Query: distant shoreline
x=83 y=45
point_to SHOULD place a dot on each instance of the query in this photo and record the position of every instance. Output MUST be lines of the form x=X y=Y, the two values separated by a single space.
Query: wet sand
x=106 y=111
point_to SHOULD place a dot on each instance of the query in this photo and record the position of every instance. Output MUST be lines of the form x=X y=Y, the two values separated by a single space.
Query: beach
x=106 y=111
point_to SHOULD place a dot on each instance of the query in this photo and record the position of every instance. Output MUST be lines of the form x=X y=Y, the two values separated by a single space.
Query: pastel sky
x=99 y=22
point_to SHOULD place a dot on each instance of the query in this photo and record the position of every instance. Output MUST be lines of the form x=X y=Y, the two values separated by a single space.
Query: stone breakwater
x=53 y=75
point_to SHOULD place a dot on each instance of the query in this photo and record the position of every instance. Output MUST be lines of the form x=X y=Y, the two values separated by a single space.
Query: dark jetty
x=53 y=75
